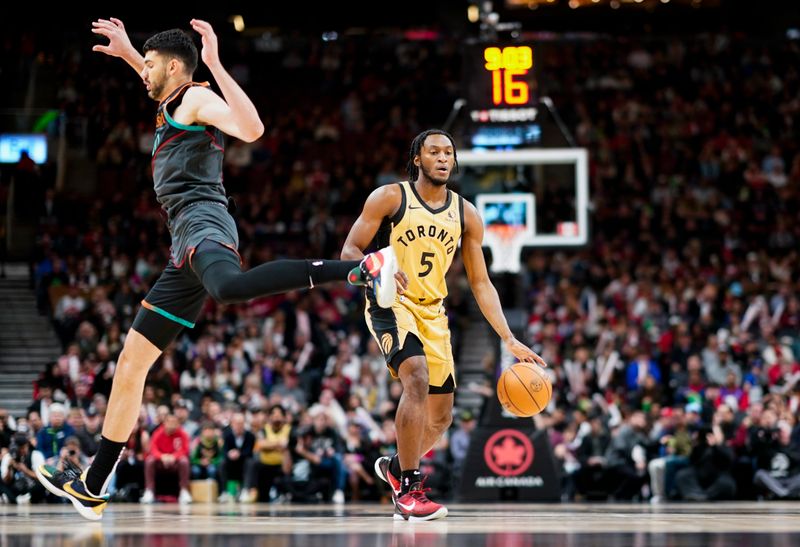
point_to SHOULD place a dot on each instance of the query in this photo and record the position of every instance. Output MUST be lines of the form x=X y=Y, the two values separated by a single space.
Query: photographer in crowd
x=19 y=482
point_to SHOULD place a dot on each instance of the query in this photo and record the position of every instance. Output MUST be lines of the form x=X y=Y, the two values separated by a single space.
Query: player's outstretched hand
x=523 y=352
x=119 y=45
x=210 y=52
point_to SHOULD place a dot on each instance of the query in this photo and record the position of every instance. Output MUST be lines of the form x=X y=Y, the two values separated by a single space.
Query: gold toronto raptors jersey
x=425 y=241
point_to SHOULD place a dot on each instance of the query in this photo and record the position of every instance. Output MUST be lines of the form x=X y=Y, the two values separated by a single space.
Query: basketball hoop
x=508 y=226
x=505 y=241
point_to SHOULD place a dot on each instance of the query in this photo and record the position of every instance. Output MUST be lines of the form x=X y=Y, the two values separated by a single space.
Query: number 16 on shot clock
x=504 y=65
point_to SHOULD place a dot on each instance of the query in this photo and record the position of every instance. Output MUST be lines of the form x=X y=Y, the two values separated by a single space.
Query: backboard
x=534 y=197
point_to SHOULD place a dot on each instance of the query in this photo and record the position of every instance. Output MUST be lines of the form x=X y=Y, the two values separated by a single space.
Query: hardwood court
x=362 y=525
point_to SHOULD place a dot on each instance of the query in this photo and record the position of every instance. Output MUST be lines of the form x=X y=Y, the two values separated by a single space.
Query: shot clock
x=509 y=66
x=500 y=87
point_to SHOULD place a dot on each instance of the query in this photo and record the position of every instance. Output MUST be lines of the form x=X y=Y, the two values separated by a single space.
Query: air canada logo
x=387 y=342
x=508 y=453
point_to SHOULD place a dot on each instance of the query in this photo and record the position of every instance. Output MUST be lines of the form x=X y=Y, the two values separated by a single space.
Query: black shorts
x=176 y=299
x=173 y=303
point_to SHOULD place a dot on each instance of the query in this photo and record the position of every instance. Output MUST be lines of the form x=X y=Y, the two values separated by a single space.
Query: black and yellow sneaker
x=71 y=484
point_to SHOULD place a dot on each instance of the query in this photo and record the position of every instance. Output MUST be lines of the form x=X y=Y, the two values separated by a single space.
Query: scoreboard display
x=509 y=68
x=499 y=85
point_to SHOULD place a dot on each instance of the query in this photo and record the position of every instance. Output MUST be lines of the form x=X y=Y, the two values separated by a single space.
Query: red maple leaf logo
x=508 y=453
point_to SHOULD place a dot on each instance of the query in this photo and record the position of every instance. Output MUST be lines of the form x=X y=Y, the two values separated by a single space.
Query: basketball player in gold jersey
x=423 y=221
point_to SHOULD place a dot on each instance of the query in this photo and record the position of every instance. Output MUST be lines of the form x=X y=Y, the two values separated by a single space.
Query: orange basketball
x=524 y=389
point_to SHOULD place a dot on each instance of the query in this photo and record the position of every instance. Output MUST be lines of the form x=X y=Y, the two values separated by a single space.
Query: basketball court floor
x=371 y=525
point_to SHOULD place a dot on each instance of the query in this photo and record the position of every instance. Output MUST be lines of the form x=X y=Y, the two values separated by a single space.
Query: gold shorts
x=391 y=326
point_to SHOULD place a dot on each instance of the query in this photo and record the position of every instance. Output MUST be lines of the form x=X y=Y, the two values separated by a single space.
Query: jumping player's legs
x=174 y=303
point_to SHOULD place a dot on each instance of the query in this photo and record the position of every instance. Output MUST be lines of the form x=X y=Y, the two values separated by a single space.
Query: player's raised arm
x=119 y=45
x=483 y=289
x=236 y=115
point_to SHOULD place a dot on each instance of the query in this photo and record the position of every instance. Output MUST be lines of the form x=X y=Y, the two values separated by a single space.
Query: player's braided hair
x=174 y=43
x=416 y=148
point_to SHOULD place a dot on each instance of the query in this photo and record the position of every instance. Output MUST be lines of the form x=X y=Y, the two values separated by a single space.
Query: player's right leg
x=172 y=304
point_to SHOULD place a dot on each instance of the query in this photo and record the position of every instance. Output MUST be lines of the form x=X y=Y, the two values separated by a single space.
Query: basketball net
x=506 y=244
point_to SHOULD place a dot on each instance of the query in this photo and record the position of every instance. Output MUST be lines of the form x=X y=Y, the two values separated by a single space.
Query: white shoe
x=185 y=497
x=380 y=267
x=338 y=497
x=24 y=499
x=148 y=497
x=655 y=500
x=225 y=497
x=248 y=496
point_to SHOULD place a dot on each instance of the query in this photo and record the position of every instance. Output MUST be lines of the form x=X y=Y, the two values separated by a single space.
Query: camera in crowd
x=17 y=441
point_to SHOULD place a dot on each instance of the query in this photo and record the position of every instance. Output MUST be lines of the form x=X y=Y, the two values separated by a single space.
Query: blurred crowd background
x=672 y=338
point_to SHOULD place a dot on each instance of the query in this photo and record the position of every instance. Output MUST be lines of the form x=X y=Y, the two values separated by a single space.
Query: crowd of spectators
x=671 y=338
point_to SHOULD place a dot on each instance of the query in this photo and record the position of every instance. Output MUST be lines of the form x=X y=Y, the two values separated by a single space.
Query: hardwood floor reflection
x=369 y=525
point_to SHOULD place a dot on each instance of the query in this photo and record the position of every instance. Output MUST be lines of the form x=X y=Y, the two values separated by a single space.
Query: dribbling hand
x=402 y=282
x=523 y=352
x=210 y=52
x=119 y=45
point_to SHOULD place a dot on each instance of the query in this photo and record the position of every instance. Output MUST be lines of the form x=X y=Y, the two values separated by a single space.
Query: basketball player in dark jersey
x=187 y=174
x=423 y=221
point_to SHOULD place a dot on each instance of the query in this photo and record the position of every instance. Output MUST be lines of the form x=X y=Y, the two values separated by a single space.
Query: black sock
x=408 y=479
x=394 y=465
x=103 y=465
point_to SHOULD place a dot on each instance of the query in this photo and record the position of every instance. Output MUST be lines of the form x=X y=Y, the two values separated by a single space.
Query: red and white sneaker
x=414 y=506
x=377 y=270
x=383 y=469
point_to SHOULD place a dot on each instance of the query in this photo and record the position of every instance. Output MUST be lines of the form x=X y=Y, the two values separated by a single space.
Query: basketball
x=524 y=389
